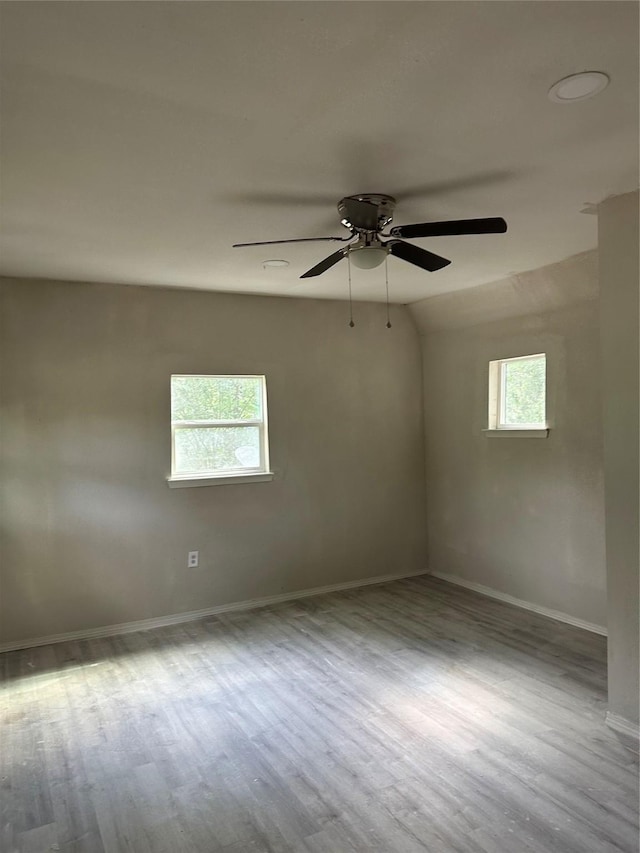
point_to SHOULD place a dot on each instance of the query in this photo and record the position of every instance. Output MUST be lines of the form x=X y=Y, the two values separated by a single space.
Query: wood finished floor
x=410 y=716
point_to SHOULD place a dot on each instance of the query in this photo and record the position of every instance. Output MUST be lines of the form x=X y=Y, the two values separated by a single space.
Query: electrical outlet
x=192 y=559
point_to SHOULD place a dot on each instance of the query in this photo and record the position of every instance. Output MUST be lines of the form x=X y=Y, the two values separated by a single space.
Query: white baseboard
x=623 y=726
x=193 y=615
x=558 y=615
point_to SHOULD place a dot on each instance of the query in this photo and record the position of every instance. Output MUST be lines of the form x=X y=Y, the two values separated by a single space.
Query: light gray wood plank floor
x=404 y=717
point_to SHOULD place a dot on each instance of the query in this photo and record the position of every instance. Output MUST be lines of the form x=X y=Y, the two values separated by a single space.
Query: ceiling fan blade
x=416 y=255
x=324 y=265
x=362 y=214
x=298 y=240
x=492 y=225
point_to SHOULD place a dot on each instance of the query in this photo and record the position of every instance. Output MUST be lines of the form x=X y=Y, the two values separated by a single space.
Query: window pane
x=209 y=398
x=198 y=451
x=524 y=391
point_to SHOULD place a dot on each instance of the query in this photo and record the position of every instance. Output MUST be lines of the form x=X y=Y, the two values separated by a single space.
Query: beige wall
x=92 y=535
x=618 y=250
x=522 y=516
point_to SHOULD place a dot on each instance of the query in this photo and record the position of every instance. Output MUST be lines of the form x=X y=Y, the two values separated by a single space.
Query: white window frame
x=497 y=406
x=258 y=473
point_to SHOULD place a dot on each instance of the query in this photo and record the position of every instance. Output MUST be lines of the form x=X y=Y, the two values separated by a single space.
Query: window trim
x=222 y=480
x=257 y=473
x=516 y=433
x=497 y=378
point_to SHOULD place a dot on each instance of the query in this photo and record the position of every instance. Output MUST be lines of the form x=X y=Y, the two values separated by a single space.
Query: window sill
x=223 y=480
x=517 y=433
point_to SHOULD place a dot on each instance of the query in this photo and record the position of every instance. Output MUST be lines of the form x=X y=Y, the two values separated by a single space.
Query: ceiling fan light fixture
x=275 y=262
x=367 y=257
x=578 y=87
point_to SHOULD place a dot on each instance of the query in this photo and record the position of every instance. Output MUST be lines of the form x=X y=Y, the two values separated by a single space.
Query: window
x=517 y=393
x=218 y=429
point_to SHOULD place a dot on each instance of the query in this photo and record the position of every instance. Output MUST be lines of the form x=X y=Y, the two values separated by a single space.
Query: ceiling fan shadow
x=281 y=199
x=274 y=198
x=448 y=185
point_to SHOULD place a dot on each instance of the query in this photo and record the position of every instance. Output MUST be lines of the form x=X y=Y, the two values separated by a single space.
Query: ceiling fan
x=366 y=216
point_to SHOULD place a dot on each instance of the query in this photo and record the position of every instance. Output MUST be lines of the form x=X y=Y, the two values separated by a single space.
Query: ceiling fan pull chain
x=386 y=280
x=351 y=323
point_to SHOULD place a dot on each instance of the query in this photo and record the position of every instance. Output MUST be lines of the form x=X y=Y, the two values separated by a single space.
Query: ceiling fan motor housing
x=366 y=211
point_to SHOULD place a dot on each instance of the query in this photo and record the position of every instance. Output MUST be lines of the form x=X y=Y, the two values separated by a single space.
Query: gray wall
x=522 y=516
x=92 y=535
x=618 y=250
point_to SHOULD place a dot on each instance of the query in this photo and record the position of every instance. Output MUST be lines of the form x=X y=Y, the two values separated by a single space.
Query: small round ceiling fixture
x=275 y=262
x=578 y=87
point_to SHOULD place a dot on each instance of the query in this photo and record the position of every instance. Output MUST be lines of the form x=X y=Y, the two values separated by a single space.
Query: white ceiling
x=141 y=139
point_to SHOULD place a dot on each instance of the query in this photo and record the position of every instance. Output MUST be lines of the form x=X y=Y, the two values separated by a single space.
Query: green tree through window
x=218 y=424
x=524 y=391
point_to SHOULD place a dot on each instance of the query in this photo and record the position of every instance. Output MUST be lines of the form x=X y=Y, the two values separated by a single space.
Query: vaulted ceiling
x=141 y=139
